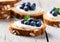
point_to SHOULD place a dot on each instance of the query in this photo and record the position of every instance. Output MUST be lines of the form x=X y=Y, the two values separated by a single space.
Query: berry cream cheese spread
x=50 y=16
x=28 y=8
x=54 y=14
x=29 y=24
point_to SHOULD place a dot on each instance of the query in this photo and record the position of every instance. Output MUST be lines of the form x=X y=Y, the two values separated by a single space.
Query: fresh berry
x=26 y=8
x=52 y=10
x=28 y=5
x=38 y=20
x=31 y=19
x=27 y=23
x=23 y=5
x=33 y=6
x=55 y=14
x=32 y=23
x=38 y=24
x=22 y=21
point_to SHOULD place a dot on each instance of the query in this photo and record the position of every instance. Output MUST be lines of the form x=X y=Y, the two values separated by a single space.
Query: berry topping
x=23 y=4
x=39 y=20
x=54 y=14
x=32 y=23
x=23 y=20
x=31 y=19
x=28 y=6
x=26 y=22
x=52 y=10
x=21 y=7
x=38 y=24
x=33 y=6
x=55 y=11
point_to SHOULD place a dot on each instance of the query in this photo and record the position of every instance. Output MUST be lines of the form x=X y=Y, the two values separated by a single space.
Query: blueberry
x=38 y=24
x=52 y=10
x=31 y=19
x=32 y=23
x=54 y=14
x=21 y=7
x=22 y=21
x=28 y=5
x=26 y=8
x=23 y=4
x=39 y=20
x=33 y=6
x=27 y=23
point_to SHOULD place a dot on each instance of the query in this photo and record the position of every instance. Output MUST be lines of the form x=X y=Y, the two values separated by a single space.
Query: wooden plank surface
x=53 y=34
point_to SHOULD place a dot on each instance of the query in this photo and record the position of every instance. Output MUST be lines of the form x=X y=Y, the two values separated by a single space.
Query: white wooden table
x=52 y=34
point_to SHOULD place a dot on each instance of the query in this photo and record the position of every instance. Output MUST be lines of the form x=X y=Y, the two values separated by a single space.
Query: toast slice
x=25 y=32
x=51 y=22
x=21 y=15
x=5 y=8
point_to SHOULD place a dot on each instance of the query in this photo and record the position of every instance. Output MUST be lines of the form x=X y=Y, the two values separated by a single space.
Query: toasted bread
x=51 y=22
x=21 y=15
x=4 y=2
x=5 y=8
x=25 y=32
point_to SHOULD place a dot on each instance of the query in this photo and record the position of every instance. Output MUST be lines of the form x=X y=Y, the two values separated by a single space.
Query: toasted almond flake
x=59 y=25
x=15 y=33
x=55 y=25
x=8 y=17
x=32 y=34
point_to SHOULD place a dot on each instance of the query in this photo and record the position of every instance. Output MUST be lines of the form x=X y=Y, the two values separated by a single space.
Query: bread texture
x=5 y=8
x=21 y=15
x=3 y=2
x=51 y=22
x=25 y=32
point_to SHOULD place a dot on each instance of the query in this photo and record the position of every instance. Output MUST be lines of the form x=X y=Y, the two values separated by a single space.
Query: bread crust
x=5 y=8
x=21 y=15
x=55 y=23
x=25 y=32
x=3 y=2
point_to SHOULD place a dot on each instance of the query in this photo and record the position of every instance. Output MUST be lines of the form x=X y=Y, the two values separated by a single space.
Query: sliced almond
x=32 y=34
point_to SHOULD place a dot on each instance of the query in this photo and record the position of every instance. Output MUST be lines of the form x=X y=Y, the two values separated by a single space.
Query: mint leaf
x=27 y=17
x=57 y=10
